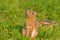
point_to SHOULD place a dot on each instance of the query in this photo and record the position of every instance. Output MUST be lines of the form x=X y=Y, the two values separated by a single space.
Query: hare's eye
x=33 y=12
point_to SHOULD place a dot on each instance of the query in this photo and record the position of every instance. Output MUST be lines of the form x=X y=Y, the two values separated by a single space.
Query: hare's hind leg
x=23 y=32
x=34 y=33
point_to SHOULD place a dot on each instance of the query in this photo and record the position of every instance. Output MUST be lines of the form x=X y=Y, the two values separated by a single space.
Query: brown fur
x=34 y=33
x=30 y=24
x=23 y=32
x=47 y=22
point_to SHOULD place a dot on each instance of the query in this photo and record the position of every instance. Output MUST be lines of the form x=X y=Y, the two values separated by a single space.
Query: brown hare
x=30 y=24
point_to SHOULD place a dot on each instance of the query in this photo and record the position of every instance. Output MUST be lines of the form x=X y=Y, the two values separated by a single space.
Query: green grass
x=12 y=18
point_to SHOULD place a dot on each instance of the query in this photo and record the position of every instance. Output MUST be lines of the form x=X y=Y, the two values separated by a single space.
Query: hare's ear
x=34 y=13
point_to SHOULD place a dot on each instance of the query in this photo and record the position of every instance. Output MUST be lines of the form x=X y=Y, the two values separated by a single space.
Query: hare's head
x=30 y=12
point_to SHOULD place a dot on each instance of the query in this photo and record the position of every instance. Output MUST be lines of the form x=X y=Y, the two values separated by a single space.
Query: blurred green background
x=12 y=18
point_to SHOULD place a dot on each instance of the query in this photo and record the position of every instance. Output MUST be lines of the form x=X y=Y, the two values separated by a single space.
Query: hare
x=47 y=22
x=30 y=23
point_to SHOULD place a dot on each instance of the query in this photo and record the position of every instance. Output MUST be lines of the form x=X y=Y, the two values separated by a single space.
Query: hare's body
x=30 y=24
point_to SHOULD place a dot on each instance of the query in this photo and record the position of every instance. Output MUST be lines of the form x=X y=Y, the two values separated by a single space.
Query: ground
x=12 y=18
